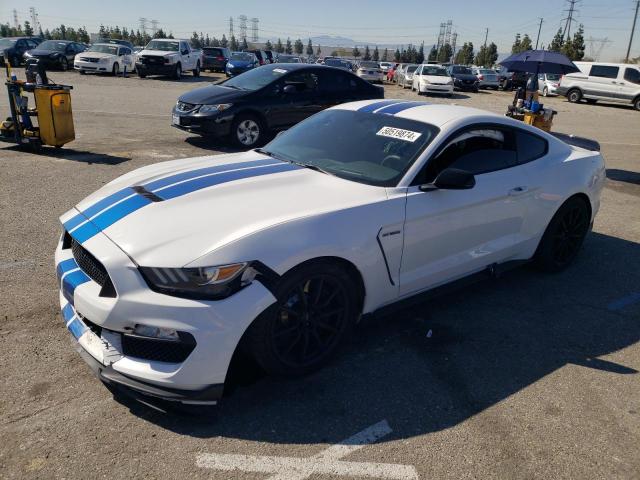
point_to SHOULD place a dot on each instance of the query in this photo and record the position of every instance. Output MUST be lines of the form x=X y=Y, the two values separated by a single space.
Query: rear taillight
x=220 y=58
x=480 y=77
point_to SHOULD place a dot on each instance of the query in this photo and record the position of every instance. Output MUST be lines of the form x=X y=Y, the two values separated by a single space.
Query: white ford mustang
x=165 y=271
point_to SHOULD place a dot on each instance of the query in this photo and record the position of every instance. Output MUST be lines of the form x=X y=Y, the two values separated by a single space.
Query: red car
x=391 y=72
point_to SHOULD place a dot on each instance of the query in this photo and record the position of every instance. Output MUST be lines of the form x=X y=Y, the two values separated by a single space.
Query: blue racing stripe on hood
x=393 y=109
x=116 y=197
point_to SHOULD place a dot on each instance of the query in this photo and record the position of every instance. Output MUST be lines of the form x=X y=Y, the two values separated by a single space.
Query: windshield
x=332 y=62
x=463 y=70
x=412 y=68
x=6 y=43
x=111 y=49
x=485 y=71
x=368 y=65
x=162 y=45
x=256 y=79
x=242 y=56
x=363 y=147
x=435 y=71
x=53 y=46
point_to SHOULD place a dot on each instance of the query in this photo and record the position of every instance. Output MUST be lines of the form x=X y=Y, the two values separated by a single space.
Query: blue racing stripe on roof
x=210 y=181
x=179 y=177
x=393 y=109
x=376 y=105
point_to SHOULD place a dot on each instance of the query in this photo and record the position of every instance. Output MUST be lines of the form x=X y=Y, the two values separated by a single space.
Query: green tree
x=420 y=56
x=526 y=43
x=268 y=45
x=397 y=55
x=298 y=47
x=279 y=46
x=83 y=35
x=289 y=48
x=244 y=46
x=433 y=54
x=355 y=52
x=367 y=53
x=224 y=42
x=309 y=50
x=334 y=53
x=215 y=42
x=516 y=47
x=233 y=44
x=376 y=55
x=445 y=53
x=195 y=40
x=578 y=44
x=557 y=42
x=28 y=30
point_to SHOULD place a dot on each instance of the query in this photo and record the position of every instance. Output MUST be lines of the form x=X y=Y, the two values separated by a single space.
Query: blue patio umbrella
x=539 y=61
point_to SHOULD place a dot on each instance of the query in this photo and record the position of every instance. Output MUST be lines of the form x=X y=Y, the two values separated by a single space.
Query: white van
x=613 y=82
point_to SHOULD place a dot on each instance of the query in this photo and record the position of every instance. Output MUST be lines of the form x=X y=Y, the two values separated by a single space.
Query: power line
x=635 y=18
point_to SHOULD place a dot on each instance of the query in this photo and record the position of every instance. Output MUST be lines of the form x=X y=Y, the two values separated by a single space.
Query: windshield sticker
x=400 y=134
x=279 y=70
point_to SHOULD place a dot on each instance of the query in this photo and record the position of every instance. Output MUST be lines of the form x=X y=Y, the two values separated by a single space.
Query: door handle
x=518 y=191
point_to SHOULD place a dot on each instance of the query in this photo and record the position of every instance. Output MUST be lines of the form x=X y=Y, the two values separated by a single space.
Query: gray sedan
x=405 y=76
x=487 y=78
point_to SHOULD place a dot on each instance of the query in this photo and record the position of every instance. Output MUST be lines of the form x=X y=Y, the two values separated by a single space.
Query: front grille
x=89 y=59
x=93 y=268
x=159 y=350
x=185 y=107
x=152 y=60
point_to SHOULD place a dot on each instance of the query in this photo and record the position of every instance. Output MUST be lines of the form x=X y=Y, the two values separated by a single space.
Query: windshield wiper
x=293 y=162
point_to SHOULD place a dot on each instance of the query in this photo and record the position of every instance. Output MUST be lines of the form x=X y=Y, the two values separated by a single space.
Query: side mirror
x=289 y=89
x=451 y=179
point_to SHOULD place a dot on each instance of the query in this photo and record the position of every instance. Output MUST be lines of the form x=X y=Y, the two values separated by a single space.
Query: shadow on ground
x=487 y=342
x=72 y=155
x=623 y=176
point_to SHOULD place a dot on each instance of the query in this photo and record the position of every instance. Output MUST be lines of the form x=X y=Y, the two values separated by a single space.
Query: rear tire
x=574 y=96
x=563 y=237
x=64 y=64
x=545 y=92
x=116 y=69
x=315 y=310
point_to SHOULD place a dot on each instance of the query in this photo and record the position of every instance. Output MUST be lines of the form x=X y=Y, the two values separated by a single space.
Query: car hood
x=40 y=51
x=464 y=76
x=240 y=63
x=160 y=53
x=211 y=94
x=217 y=200
x=95 y=54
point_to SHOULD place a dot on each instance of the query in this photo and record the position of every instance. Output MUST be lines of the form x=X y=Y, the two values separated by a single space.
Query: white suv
x=614 y=82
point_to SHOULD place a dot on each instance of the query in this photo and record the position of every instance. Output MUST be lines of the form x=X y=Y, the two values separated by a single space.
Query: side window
x=632 y=75
x=477 y=151
x=183 y=47
x=604 y=71
x=334 y=82
x=304 y=81
x=530 y=147
x=125 y=51
x=31 y=44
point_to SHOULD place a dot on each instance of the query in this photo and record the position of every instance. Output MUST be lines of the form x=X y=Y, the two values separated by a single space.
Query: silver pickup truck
x=171 y=57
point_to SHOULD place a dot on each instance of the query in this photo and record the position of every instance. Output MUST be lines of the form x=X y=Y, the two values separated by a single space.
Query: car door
x=449 y=234
x=603 y=82
x=126 y=57
x=185 y=56
x=629 y=84
x=336 y=87
x=296 y=98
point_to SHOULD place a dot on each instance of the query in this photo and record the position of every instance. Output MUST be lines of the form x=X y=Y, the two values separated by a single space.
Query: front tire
x=116 y=69
x=64 y=64
x=177 y=73
x=564 y=235
x=247 y=131
x=315 y=309
x=196 y=72
x=636 y=104
x=545 y=92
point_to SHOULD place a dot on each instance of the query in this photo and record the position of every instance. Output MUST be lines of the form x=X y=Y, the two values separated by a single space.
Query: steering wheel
x=389 y=161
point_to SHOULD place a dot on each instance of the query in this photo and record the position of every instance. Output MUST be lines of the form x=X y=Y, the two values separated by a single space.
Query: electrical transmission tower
x=154 y=27
x=571 y=12
x=230 y=27
x=454 y=39
x=143 y=25
x=16 y=24
x=242 y=20
x=35 y=23
x=254 y=29
x=447 y=35
x=443 y=28
x=596 y=45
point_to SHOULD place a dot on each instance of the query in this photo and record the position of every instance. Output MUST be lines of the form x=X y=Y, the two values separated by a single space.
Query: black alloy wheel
x=315 y=309
x=563 y=238
x=64 y=64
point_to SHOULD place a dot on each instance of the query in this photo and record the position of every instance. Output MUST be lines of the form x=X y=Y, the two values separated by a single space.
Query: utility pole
x=539 y=29
x=635 y=18
x=486 y=36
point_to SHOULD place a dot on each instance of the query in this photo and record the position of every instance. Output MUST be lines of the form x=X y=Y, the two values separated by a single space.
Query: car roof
x=432 y=113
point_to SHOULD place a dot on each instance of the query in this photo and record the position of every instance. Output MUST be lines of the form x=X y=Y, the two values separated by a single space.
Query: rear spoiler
x=580 y=142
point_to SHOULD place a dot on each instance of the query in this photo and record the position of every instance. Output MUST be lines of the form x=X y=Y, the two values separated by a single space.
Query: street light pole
x=635 y=18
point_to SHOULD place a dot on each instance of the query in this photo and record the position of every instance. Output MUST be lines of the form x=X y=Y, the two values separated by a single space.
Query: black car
x=261 y=55
x=267 y=99
x=15 y=48
x=270 y=56
x=463 y=78
x=55 y=54
x=215 y=58
x=510 y=80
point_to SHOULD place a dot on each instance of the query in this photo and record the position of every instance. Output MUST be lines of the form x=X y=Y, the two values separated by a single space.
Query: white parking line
x=326 y=462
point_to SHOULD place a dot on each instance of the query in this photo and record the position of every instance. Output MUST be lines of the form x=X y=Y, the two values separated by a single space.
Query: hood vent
x=140 y=190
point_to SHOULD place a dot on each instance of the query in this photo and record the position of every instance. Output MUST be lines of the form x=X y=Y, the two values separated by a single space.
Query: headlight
x=230 y=65
x=54 y=55
x=450 y=82
x=425 y=81
x=202 y=283
x=103 y=60
x=215 y=108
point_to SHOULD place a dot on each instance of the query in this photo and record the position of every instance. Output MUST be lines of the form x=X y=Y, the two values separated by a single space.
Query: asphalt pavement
x=527 y=376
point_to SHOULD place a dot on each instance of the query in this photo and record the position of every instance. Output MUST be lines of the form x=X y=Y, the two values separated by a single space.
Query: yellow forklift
x=52 y=113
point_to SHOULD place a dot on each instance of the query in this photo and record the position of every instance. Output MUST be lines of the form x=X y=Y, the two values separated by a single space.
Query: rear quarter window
x=632 y=75
x=530 y=147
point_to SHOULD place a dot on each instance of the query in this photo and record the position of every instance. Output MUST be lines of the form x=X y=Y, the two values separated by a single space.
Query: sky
x=367 y=22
